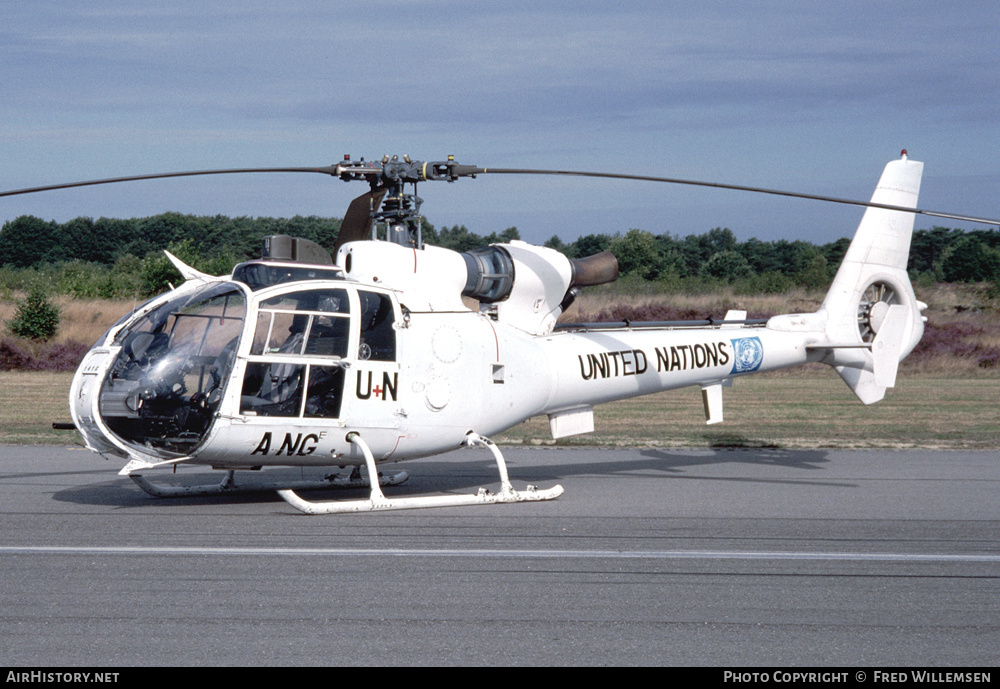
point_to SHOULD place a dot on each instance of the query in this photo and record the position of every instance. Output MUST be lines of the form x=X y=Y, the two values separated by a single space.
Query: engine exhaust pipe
x=593 y=270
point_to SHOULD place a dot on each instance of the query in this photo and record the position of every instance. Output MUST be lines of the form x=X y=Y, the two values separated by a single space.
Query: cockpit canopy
x=170 y=379
x=167 y=380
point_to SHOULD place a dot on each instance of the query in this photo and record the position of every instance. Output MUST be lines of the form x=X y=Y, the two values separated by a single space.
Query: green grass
x=807 y=409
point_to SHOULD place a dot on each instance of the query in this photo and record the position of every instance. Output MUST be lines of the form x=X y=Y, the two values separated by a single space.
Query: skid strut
x=378 y=502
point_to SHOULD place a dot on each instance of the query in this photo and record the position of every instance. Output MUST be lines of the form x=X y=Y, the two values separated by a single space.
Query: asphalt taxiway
x=672 y=557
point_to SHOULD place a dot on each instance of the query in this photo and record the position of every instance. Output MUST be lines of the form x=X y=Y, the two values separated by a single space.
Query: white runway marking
x=539 y=554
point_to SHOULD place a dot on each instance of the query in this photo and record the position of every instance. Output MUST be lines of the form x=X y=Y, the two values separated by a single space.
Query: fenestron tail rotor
x=873 y=306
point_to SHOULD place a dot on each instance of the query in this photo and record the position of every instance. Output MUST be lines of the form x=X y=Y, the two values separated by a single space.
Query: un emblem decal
x=749 y=354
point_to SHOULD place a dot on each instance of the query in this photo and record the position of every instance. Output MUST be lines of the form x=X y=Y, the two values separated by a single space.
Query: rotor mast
x=390 y=203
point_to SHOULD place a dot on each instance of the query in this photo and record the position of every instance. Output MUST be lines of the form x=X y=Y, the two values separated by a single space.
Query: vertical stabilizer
x=873 y=317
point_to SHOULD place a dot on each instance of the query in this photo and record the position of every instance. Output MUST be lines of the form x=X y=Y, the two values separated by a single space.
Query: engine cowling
x=526 y=286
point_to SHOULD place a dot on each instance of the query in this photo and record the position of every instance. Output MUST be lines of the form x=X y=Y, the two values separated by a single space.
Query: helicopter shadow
x=121 y=493
x=541 y=465
x=465 y=470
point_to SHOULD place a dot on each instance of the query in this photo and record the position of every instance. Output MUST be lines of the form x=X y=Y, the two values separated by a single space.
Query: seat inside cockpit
x=300 y=341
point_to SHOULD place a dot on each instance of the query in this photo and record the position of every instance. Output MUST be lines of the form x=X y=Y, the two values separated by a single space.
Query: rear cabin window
x=378 y=337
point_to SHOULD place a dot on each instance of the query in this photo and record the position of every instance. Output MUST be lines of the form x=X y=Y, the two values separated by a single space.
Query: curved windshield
x=166 y=384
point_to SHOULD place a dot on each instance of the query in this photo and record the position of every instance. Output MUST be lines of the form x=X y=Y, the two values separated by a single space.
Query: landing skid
x=378 y=502
x=229 y=485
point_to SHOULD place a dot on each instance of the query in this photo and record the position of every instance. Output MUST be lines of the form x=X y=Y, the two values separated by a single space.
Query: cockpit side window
x=310 y=324
x=313 y=322
x=378 y=337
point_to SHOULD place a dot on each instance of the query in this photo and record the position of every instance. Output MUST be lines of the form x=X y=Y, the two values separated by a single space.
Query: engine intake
x=490 y=274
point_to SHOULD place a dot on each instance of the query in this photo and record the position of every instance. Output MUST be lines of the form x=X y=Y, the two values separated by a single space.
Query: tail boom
x=869 y=321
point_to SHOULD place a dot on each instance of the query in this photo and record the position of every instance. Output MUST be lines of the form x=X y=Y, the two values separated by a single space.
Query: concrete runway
x=688 y=557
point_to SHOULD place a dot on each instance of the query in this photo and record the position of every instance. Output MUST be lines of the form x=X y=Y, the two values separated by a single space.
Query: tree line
x=115 y=258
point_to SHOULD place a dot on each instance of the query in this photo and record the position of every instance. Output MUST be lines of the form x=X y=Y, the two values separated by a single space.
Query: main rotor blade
x=328 y=170
x=737 y=187
x=453 y=171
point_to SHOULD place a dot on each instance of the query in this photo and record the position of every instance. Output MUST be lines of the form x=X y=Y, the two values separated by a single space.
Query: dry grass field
x=947 y=394
x=80 y=320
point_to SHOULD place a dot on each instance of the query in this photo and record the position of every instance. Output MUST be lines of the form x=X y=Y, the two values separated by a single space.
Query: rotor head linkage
x=389 y=177
x=391 y=171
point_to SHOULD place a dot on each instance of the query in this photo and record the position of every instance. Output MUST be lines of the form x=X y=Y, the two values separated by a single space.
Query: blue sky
x=804 y=96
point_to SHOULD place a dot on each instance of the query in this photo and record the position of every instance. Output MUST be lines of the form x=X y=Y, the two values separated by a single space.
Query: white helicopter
x=370 y=356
